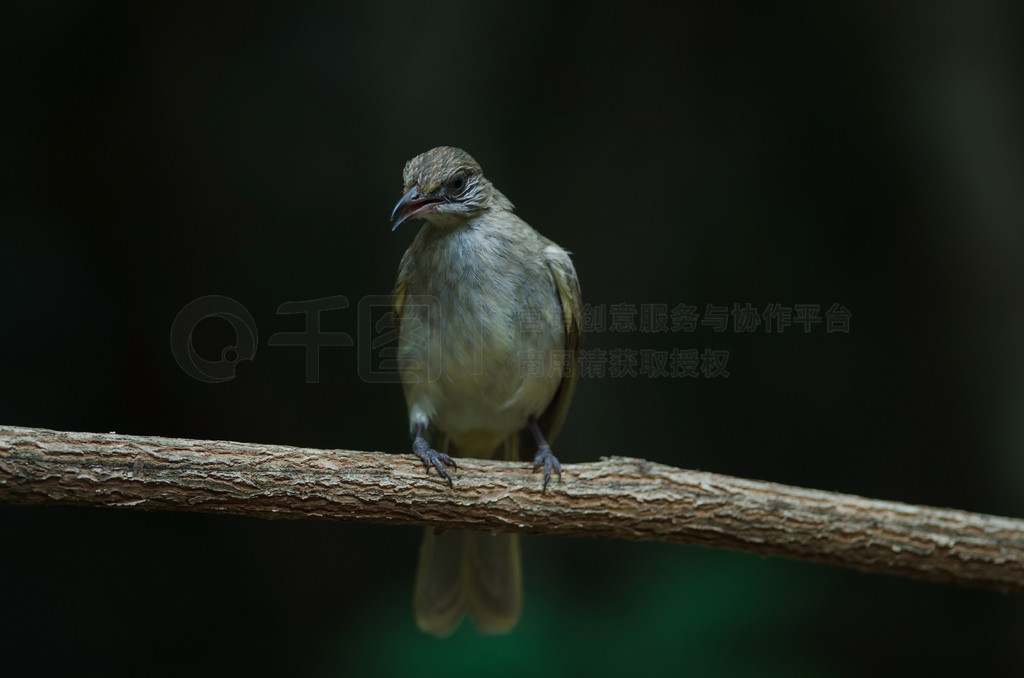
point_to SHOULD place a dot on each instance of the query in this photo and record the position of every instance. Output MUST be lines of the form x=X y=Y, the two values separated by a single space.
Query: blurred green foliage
x=723 y=153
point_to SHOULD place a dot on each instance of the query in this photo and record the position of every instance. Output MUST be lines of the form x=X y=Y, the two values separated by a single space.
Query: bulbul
x=490 y=330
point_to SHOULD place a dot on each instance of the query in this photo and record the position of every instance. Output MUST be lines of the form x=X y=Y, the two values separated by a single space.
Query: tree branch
x=615 y=498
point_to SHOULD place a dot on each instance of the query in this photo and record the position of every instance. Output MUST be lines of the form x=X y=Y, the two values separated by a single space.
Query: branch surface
x=615 y=498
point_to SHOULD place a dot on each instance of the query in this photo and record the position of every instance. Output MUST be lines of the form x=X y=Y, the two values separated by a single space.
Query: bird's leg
x=544 y=456
x=431 y=457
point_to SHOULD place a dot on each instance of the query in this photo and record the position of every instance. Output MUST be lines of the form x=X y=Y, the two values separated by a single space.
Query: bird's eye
x=456 y=185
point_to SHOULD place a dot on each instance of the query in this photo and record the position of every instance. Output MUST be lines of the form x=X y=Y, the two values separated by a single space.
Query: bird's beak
x=411 y=205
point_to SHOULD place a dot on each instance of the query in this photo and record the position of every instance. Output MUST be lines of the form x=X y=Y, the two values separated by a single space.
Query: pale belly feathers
x=482 y=339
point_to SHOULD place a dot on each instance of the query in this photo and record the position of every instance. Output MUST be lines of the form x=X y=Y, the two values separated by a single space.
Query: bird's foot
x=549 y=461
x=431 y=457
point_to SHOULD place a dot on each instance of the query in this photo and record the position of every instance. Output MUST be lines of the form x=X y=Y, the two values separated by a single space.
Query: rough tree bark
x=615 y=498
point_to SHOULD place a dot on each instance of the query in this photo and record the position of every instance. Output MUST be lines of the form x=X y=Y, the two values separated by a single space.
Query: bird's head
x=445 y=186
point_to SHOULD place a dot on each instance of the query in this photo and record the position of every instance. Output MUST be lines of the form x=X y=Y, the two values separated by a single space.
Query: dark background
x=852 y=153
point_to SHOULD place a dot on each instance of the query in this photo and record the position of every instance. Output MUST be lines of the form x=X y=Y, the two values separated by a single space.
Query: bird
x=489 y=316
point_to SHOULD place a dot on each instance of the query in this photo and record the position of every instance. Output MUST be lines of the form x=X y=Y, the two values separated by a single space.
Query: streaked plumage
x=489 y=339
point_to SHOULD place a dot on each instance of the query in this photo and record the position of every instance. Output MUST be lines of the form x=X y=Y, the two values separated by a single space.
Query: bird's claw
x=549 y=461
x=431 y=457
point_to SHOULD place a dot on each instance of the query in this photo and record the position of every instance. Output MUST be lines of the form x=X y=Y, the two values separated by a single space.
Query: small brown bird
x=490 y=332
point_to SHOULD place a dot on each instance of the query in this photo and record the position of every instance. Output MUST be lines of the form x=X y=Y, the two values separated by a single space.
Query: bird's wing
x=568 y=287
x=401 y=283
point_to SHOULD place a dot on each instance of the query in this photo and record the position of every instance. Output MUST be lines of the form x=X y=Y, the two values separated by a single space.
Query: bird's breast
x=481 y=331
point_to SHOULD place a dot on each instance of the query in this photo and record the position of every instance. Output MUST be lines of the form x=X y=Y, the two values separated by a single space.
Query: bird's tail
x=469 y=572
